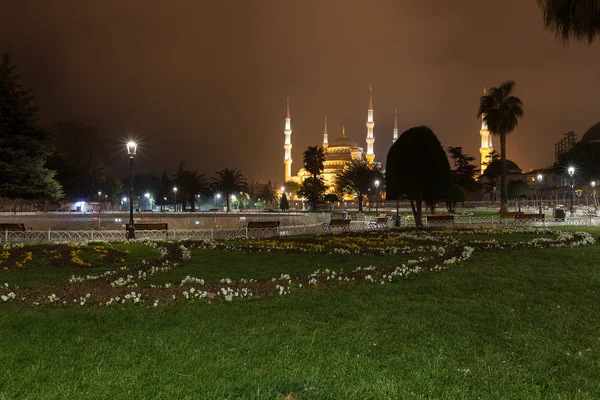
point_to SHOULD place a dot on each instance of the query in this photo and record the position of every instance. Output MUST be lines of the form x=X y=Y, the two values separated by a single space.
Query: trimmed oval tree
x=456 y=194
x=417 y=167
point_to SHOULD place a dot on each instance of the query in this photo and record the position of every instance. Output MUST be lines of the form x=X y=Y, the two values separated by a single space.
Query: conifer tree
x=24 y=145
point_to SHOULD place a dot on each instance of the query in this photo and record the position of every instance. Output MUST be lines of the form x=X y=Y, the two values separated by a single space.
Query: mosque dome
x=592 y=134
x=495 y=168
x=343 y=141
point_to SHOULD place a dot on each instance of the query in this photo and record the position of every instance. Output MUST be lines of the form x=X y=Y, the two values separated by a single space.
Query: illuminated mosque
x=343 y=150
x=338 y=153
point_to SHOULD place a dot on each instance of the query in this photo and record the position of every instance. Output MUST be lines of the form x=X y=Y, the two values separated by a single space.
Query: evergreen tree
x=24 y=145
x=284 y=205
x=417 y=167
x=464 y=171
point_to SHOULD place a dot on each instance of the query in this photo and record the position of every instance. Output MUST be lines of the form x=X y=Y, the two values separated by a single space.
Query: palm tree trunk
x=360 y=198
x=503 y=193
x=228 y=202
x=419 y=217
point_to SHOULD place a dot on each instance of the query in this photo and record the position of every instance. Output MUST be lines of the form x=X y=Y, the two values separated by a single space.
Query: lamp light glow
x=131 y=148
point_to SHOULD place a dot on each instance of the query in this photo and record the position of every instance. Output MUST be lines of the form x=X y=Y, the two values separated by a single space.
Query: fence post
x=48 y=234
x=6 y=235
x=92 y=235
x=212 y=233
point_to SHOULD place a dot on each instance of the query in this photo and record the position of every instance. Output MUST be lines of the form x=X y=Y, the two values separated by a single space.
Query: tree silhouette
x=229 y=181
x=191 y=185
x=417 y=167
x=501 y=113
x=284 y=204
x=267 y=192
x=314 y=159
x=464 y=171
x=577 y=19
x=24 y=145
x=357 y=178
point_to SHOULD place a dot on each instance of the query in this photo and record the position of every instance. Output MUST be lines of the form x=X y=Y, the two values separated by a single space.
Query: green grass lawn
x=501 y=325
x=42 y=271
x=214 y=265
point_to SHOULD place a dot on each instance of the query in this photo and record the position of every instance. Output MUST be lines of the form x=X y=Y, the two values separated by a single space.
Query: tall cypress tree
x=24 y=145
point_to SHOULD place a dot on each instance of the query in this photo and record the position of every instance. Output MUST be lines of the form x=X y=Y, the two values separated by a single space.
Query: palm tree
x=229 y=181
x=314 y=160
x=577 y=19
x=501 y=113
x=192 y=184
x=267 y=192
x=358 y=178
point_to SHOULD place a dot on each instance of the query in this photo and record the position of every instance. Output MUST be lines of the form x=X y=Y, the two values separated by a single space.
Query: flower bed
x=433 y=250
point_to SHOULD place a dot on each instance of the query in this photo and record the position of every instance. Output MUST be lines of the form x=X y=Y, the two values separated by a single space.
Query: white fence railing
x=244 y=232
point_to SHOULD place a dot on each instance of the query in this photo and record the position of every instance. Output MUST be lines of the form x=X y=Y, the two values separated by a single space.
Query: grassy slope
x=513 y=325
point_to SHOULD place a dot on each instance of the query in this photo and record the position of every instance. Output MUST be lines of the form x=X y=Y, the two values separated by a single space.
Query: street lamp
x=131 y=149
x=147 y=196
x=377 y=197
x=540 y=178
x=571 y=172
x=175 y=199
x=594 y=198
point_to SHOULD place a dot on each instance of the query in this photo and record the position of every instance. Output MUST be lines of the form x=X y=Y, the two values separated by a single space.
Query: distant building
x=564 y=145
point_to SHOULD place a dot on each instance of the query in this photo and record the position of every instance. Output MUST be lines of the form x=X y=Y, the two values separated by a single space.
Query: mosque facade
x=338 y=152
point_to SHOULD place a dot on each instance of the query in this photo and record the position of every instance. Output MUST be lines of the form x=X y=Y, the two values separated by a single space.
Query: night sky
x=206 y=81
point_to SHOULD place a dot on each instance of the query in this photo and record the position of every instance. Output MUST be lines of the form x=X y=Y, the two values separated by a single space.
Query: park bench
x=263 y=225
x=14 y=227
x=149 y=227
x=529 y=216
x=439 y=218
x=380 y=222
x=510 y=214
x=263 y=228
x=343 y=224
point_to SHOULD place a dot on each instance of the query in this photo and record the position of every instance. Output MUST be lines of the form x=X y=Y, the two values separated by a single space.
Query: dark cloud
x=206 y=81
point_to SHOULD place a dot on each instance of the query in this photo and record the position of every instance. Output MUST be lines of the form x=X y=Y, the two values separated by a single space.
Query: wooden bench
x=263 y=225
x=380 y=222
x=343 y=224
x=149 y=227
x=529 y=216
x=14 y=227
x=439 y=218
x=510 y=214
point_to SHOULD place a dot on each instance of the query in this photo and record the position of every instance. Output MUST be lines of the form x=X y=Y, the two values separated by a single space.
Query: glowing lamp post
x=175 y=199
x=540 y=178
x=594 y=198
x=146 y=197
x=131 y=149
x=377 y=197
x=571 y=172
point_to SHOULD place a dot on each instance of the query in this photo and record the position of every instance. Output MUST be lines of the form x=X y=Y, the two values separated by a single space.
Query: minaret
x=287 y=146
x=486 y=143
x=370 y=125
x=395 y=127
x=325 y=139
